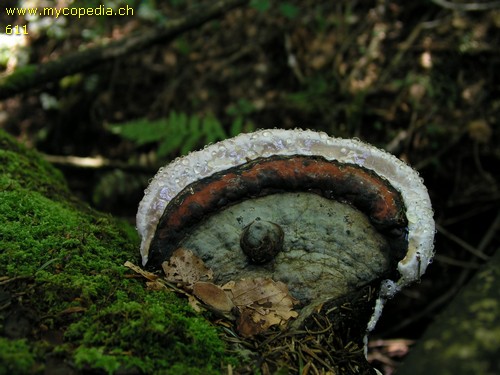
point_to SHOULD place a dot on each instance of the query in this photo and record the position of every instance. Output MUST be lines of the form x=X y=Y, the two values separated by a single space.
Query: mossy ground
x=66 y=301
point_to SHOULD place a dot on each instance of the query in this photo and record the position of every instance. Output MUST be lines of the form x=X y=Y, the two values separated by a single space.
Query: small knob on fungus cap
x=261 y=241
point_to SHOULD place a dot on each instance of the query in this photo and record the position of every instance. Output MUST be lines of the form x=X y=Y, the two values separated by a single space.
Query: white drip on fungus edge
x=174 y=177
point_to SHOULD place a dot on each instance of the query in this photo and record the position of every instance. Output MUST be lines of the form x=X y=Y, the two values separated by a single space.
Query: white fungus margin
x=174 y=177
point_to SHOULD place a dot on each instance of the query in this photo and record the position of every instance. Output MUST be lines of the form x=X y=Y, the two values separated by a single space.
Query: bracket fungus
x=338 y=221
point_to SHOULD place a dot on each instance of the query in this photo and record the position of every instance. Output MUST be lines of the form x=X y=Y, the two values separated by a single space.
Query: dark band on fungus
x=349 y=183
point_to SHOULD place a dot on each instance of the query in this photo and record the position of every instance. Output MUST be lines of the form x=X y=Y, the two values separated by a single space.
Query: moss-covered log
x=465 y=338
x=67 y=304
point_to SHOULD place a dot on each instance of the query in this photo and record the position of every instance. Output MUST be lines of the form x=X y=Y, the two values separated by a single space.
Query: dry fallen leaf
x=155 y=282
x=148 y=275
x=246 y=325
x=155 y=285
x=480 y=131
x=194 y=303
x=262 y=303
x=185 y=268
x=213 y=296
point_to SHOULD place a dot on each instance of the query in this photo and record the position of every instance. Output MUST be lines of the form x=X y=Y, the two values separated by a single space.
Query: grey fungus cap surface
x=329 y=248
x=176 y=176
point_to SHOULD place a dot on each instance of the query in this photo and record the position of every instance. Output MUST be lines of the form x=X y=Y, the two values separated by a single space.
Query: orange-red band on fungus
x=331 y=179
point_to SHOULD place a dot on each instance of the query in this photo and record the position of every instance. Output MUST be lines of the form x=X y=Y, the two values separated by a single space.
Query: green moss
x=15 y=357
x=152 y=326
x=65 y=262
x=23 y=169
x=18 y=78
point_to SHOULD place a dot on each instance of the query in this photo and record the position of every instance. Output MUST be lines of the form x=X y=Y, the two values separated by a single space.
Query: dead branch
x=35 y=75
x=467 y=7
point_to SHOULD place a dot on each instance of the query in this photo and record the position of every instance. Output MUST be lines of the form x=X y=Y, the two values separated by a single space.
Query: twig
x=6 y=279
x=441 y=300
x=404 y=48
x=488 y=236
x=97 y=162
x=82 y=162
x=292 y=60
x=34 y=75
x=471 y=249
x=438 y=154
x=479 y=165
x=474 y=211
x=394 y=145
x=388 y=342
x=467 y=7
x=455 y=262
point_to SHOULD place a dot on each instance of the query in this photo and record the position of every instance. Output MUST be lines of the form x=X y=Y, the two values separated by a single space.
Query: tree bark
x=34 y=75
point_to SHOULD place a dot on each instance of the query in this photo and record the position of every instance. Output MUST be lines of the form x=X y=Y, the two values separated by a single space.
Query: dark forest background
x=419 y=79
